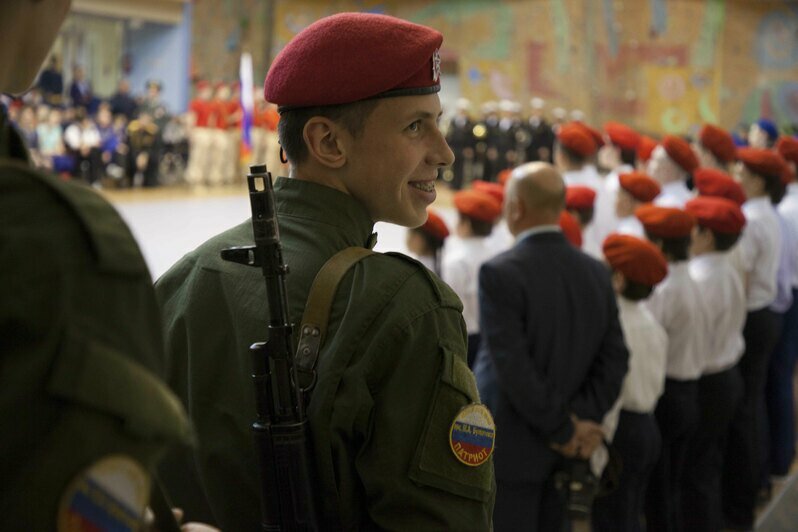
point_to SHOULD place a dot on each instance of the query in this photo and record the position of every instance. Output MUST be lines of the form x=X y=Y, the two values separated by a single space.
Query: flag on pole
x=247 y=106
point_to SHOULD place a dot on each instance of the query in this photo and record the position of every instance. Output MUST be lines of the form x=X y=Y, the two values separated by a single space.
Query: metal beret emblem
x=436 y=65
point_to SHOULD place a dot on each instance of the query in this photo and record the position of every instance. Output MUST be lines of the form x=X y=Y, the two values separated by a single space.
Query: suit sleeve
x=502 y=312
x=605 y=377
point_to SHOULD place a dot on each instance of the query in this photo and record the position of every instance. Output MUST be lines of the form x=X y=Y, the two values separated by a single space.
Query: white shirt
x=630 y=225
x=723 y=302
x=460 y=270
x=606 y=219
x=588 y=176
x=674 y=194
x=676 y=305
x=500 y=239
x=788 y=209
x=427 y=261
x=757 y=253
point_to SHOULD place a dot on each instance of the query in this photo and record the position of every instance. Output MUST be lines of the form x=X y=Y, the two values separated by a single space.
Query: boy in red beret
x=715 y=148
x=581 y=202
x=637 y=267
x=677 y=307
x=757 y=256
x=359 y=111
x=644 y=150
x=426 y=242
x=672 y=163
x=618 y=156
x=713 y=182
x=779 y=391
x=635 y=189
x=719 y=224
x=478 y=212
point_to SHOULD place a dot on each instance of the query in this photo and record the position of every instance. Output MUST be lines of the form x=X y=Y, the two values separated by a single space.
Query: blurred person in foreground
x=79 y=335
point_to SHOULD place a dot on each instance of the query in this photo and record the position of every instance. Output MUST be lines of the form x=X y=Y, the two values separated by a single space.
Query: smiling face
x=393 y=164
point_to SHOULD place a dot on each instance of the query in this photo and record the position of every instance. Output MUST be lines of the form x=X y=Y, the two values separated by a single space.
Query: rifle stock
x=280 y=431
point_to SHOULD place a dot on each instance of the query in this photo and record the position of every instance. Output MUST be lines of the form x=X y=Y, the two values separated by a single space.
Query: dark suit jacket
x=552 y=345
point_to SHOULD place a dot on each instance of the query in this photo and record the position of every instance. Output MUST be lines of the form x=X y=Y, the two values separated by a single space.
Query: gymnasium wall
x=659 y=65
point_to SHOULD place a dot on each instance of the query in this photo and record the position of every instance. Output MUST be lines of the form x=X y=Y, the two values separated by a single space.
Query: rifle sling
x=317 y=312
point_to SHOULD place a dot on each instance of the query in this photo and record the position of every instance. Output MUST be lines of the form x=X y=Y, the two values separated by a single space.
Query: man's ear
x=323 y=139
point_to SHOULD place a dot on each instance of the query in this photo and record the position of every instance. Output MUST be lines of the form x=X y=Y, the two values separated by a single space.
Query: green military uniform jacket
x=81 y=351
x=392 y=378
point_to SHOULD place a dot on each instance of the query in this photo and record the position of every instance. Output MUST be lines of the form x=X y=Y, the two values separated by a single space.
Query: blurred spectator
x=112 y=144
x=51 y=82
x=122 y=103
x=80 y=93
x=82 y=141
x=144 y=140
x=153 y=105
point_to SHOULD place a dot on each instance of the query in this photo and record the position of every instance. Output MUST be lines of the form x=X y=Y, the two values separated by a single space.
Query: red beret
x=478 y=205
x=640 y=185
x=719 y=214
x=579 y=198
x=494 y=189
x=680 y=152
x=712 y=182
x=646 y=146
x=570 y=228
x=435 y=226
x=595 y=134
x=349 y=57
x=504 y=176
x=638 y=260
x=788 y=149
x=763 y=162
x=719 y=142
x=665 y=222
x=622 y=135
x=575 y=138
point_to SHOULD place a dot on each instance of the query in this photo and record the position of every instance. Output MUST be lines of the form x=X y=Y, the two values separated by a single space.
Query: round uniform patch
x=472 y=435
x=110 y=495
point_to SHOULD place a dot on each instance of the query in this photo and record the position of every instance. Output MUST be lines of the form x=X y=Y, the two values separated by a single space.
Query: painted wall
x=161 y=52
x=660 y=65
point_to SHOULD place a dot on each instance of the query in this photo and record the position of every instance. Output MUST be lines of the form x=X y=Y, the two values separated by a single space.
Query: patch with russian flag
x=472 y=435
x=110 y=495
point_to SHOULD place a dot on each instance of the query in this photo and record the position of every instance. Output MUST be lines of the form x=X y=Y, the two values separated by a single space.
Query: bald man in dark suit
x=552 y=358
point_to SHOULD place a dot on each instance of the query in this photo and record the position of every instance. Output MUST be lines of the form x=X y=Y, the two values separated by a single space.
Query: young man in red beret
x=478 y=212
x=757 y=256
x=671 y=164
x=359 y=109
x=618 y=156
x=637 y=267
x=677 y=307
x=715 y=183
x=779 y=391
x=719 y=224
x=635 y=189
x=715 y=148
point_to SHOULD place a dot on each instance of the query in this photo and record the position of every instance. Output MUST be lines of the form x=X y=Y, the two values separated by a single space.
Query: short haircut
x=629 y=157
x=675 y=249
x=585 y=216
x=433 y=243
x=478 y=227
x=725 y=241
x=636 y=291
x=352 y=116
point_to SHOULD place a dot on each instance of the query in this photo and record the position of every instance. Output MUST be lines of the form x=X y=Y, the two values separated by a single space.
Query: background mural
x=662 y=66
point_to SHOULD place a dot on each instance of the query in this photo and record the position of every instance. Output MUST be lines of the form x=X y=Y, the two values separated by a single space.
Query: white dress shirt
x=676 y=305
x=758 y=252
x=500 y=239
x=788 y=209
x=723 y=302
x=673 y=194
x=606 y=219
x=460 y=270
x=589 y=177
x=630 y=225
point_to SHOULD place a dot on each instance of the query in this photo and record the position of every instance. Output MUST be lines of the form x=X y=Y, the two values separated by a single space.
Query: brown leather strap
x=313 y=329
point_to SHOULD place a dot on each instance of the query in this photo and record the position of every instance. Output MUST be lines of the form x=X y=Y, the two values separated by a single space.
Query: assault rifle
x=281 y=428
